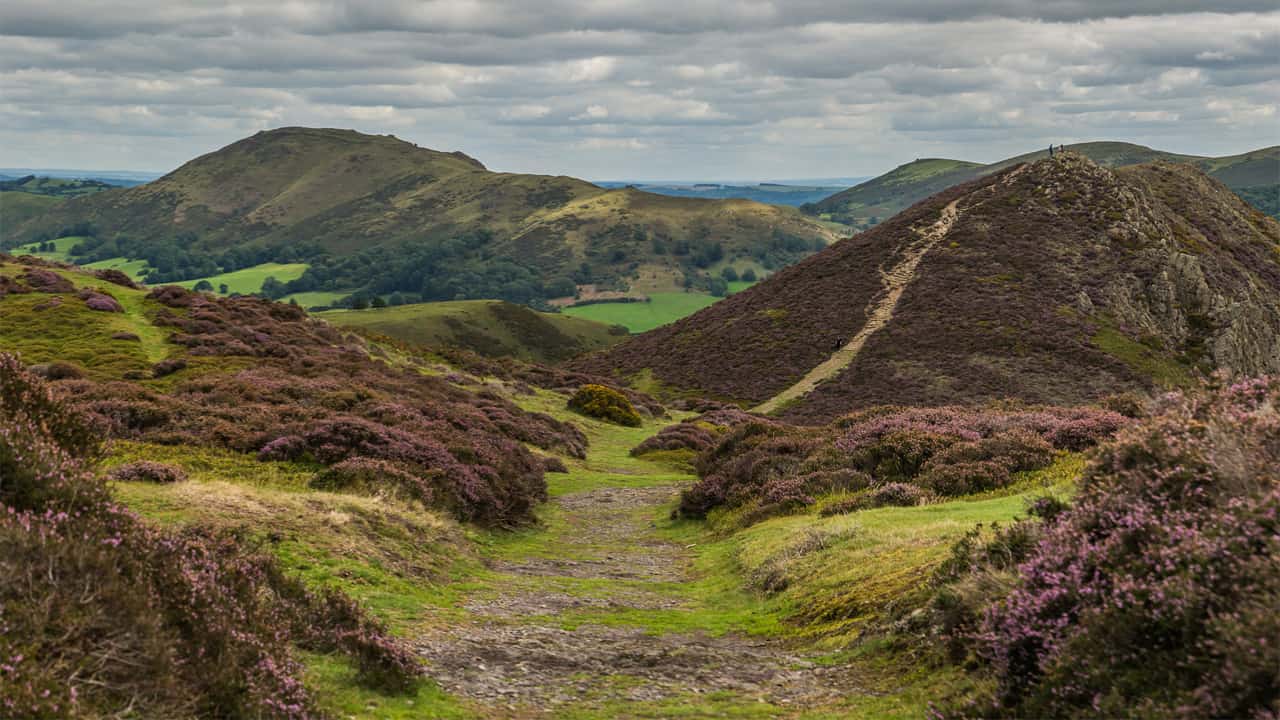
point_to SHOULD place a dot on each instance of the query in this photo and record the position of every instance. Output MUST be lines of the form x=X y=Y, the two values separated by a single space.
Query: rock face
x=1059 y=281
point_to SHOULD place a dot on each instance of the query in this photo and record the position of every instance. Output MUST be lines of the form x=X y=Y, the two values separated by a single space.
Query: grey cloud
x=638 y=87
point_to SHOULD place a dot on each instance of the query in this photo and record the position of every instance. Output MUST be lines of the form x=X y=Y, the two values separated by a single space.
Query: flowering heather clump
x=48 y=281
x=604 y=403
x=948 y=451
x=1155 y=594
x=101 y=302
x=163 y=624
x=116 y=277
x=148 y=471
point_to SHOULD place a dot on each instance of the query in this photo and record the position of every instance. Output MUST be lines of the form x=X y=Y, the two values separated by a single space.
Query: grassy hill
x=17 y=207
x=378 y=213
x=488 y=327
x=1254 y=175
x=1055 y=282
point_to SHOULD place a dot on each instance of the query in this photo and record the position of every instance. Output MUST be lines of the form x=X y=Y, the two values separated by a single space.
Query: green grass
x=71 y=332
x=1164 y=370
x=16 y=207
x=60 y=252
x=249 y=280
x=316 y=298
x=488 y=327
x=663 y=308
x=132 y=268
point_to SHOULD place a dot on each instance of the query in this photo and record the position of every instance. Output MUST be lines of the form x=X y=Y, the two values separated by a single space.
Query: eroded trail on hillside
x=879 y=312
x=565 y=633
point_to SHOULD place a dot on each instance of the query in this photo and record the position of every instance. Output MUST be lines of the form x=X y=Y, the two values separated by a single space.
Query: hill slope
x=326 y=196
x=487 y=327
x=1056 y=282
x=1253 y=175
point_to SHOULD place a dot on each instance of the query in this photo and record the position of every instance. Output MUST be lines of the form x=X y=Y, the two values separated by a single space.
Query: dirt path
x=879 y=312
x=531 y=648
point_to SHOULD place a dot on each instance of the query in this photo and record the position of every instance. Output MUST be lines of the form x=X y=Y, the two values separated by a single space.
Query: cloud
x=706 y=88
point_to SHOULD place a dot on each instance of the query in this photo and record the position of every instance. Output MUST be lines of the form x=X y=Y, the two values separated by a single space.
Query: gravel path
x=515 y=658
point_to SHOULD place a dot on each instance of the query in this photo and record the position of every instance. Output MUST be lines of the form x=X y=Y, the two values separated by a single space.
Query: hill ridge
x=1069 y=280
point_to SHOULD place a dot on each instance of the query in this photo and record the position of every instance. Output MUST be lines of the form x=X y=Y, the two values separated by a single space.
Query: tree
x=749 y=275
x=396 y=299
x=560 y=287
x=729 y=274
x=359 y=302
x=718 y=287
x=204 y=286
x=273 y=288
x=378 y=302
x=222 y=288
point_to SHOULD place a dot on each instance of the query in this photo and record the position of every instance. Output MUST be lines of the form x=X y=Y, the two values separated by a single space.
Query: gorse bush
x=1155 y=594
x=102 y=615
x=604 y=403
x=945 y=451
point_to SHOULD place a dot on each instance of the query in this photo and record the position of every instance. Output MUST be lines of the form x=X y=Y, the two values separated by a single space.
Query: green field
x=132 y=268
x=62 y=245
x=249 y=280
x=488 y=327
x=662 y=308
x=318 y=298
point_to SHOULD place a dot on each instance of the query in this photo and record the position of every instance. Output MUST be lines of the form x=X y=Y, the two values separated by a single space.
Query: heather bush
x=148 y=471
x=373 y=477
x=604 y=403
x=168 y=367
x=1155 y=594
x=945 y=451
x=553 y=464
x=44 y=280
x=131 y=337
x=116 y=277
x=101 y=302
x=102 y=615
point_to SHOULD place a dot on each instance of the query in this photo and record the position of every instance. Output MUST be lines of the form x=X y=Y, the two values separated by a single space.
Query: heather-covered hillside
x=1055 y=282
x=178 y=368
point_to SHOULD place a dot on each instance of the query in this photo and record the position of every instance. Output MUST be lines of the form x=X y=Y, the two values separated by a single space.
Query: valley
x=962 y=423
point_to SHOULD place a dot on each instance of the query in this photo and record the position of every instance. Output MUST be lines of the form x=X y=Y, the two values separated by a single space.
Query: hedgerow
x=102 y=615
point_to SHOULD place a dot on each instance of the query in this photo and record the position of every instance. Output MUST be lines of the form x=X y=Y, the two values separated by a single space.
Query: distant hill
x=1254 y=175
x=17 y=207
x=383 y=215
x=1057 y=281
x=793 y=195
x=54 y=187
x=491 y=328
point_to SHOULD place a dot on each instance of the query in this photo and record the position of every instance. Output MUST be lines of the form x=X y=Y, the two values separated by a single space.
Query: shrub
x=116 y=277
x=44 y=280
x=131 y=337
x=102 y=302
x=966 y=477
x=168 y=367
x=105 y=616
x=604 y=403
x=148 y=471
x=373 y=477
x=1155 y=593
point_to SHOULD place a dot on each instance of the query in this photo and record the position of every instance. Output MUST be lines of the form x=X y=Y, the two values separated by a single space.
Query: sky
x=631 y=89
